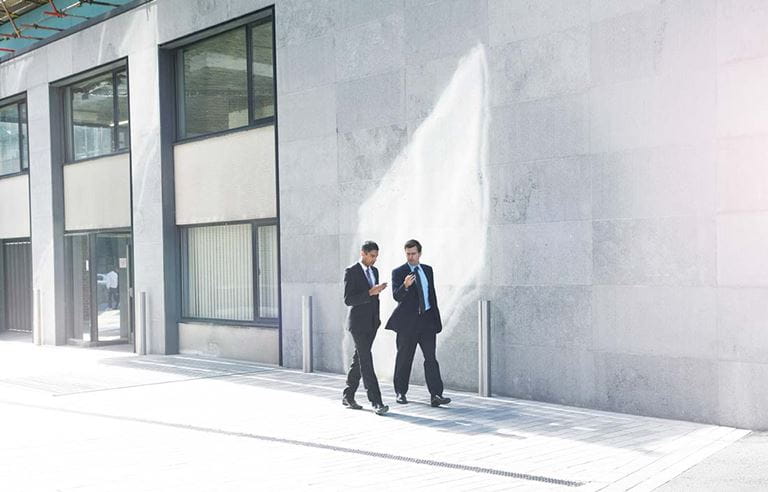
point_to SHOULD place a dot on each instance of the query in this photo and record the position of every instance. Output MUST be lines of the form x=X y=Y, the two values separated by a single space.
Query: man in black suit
x=416 y=320
x=361 y=293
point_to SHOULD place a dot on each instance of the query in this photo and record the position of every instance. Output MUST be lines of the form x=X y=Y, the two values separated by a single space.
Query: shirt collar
x=413 y=267
x=363 y=265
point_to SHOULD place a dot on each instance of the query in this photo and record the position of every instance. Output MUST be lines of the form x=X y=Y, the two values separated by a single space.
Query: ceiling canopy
x=24 y=23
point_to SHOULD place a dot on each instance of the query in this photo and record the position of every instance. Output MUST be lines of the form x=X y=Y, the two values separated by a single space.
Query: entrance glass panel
x=112 y=296
x=79 y=319
x=99 y=299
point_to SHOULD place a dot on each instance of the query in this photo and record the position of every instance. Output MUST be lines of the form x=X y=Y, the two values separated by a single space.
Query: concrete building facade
x=595 y=169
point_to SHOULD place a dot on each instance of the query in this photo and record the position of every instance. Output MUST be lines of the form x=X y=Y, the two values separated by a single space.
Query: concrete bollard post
x=306 y=332
x=143 y=317
x=37 y=328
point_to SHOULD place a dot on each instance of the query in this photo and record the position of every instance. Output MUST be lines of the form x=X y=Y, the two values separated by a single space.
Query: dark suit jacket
x=364 y=309
x=406 y=314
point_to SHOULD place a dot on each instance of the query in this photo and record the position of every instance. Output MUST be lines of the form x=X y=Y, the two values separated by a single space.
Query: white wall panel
x=97 y=194
x=231 y=177
x=233 y=342
x=14 y=207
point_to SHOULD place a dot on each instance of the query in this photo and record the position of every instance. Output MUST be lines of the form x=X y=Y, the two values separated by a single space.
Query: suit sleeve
x=355 y=293
x=432 y=286
x=398 y=289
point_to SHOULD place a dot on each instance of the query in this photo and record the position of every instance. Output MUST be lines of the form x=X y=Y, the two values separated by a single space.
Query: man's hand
x=409 y=280
x=374 y=291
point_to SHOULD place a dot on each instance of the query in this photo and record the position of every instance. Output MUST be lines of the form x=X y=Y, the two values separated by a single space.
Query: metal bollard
x=306 y=332
x=37 y=333
x=484 y=347
x=144 y=322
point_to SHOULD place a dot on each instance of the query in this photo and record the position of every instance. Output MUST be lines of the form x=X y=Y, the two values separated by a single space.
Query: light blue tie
x=369 y=276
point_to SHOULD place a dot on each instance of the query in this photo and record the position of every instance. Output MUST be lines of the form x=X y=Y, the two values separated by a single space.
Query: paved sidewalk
x=106 y=420
x=742 y=466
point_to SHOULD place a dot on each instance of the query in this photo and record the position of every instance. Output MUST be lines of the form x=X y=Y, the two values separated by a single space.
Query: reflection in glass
x=78 y=287
x=218 y=272
x=268 y=281
x=122 y=110
x=215 y=75
x=10 y=158
x=93 y=116
x=24 y=136
x=111 y=262
x=262 y=69
x=98 y=301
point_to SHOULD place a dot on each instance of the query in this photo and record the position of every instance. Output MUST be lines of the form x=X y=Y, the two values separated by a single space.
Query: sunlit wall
x=595 y=169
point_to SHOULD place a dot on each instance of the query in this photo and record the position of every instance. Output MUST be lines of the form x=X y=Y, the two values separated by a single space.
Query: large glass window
x=227 y=81
x=267 y=280
x=98 y=109
x=218 y=272
x=262 y=70
x=14 y=148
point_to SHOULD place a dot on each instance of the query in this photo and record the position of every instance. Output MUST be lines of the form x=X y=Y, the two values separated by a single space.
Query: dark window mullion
x=249 y=71
x=70 y=123
x=115 y=113
x=181 y=99
x=21 y=138
x=255 y=261
x=274 y=72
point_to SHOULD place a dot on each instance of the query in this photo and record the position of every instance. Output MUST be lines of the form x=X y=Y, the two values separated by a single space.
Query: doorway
x=99 y=288
x=17 y=284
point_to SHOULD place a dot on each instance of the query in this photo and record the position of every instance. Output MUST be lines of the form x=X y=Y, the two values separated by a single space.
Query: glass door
x=113 y=303
x=78 y=267
x=99 y=277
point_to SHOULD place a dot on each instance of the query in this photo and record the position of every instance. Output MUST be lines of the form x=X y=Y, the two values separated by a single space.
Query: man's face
x=412 y=255
x=369 y=258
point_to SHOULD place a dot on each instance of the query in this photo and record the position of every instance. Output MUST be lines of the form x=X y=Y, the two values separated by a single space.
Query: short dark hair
x=369 y=246
x=411 y=243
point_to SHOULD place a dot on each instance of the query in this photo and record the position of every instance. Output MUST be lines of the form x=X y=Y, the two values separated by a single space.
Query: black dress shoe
x=438 y=400
x=401 y=399
x=350 y=403
x=380 y=408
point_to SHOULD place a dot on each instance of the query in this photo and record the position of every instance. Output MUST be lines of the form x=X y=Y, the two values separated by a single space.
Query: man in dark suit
x=416 y=320
x=361 y=293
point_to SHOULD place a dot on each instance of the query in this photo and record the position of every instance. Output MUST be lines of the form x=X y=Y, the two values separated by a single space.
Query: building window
x=14 y=147
x=98 y=115
x=226 y=81
x=218 y=272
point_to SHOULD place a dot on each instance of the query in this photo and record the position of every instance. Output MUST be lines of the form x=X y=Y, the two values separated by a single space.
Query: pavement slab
x=75 y=419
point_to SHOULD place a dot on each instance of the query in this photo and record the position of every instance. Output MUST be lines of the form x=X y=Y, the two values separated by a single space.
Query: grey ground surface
x=741 y=466
x=75 y=419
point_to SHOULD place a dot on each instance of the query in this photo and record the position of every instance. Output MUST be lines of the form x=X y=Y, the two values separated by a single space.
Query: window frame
x=257 y=320
x=17 y=101
x=69 y=127
x=261 y=17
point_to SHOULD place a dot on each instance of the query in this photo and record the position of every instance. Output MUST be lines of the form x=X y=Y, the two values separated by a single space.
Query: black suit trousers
x=425 y=337
x=362 y=365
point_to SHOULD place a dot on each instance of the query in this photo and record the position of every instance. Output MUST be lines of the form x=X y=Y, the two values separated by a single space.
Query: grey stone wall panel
x=541 y=191
x=678 y=388
x=656 y=320
x=519 y=19
x=665 y=251
x=555 y=253
x=742 y=324
x=371 y=102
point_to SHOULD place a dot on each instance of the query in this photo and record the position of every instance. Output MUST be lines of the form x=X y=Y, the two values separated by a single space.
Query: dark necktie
x=369 y=276
x=419 y=290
